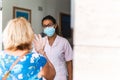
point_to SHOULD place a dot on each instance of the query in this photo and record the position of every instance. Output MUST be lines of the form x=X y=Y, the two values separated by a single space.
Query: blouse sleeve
x=68 y=51
x=41 y=61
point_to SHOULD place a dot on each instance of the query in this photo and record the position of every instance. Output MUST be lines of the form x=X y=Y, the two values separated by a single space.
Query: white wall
x=52 y=7
x=36 y=15
x=0 y=24
x=0 y=29
x=55 y=7
x=96 y=39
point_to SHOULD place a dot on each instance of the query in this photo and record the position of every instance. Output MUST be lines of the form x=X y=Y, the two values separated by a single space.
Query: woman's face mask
x=49 y=31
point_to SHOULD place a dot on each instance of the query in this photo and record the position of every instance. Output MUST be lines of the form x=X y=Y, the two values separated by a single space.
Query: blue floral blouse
x=26 y=69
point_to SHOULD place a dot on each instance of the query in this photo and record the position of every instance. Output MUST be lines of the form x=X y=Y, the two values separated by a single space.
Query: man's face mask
x=49 y=31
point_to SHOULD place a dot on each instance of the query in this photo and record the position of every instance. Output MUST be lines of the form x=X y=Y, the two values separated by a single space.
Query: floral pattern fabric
x=26 y=69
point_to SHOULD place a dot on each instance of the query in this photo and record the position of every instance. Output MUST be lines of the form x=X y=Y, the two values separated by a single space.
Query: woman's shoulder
x=62 y=39
x=5 y=55
x=34 y=54
x=38 y=57
x=2 y=52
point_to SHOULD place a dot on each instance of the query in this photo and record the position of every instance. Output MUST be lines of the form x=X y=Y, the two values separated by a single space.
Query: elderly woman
x=17 y=62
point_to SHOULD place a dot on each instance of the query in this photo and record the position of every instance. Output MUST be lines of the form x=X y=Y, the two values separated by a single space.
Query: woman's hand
x=39 y=44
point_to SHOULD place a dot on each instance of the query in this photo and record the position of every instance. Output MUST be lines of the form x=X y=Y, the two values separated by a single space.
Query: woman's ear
x=56 y=26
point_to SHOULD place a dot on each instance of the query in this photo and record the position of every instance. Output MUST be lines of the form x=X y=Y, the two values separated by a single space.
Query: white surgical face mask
x=49 y=31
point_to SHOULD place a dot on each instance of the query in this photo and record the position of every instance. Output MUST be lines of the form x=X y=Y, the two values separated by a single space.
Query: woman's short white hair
x=18 y=34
